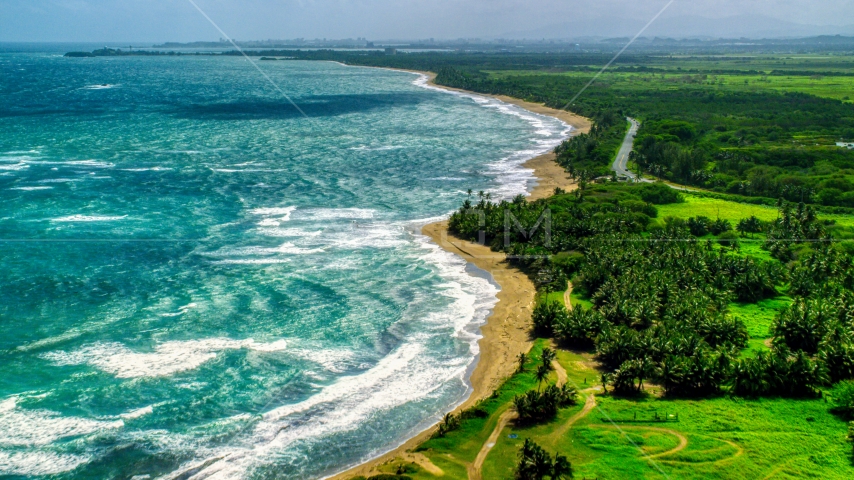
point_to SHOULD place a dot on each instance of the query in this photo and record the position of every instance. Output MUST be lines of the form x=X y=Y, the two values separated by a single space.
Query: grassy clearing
x=577 y=300
x=759 y=316
x=833 y=87
x=459 y=447
x=715 y=208
x=727 y=438
x=553 y=297
x=706 y=438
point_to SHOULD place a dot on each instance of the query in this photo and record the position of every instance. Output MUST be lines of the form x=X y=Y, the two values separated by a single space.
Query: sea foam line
x=512 y=177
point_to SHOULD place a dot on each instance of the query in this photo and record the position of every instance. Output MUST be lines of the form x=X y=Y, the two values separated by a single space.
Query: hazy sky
x=177 y=20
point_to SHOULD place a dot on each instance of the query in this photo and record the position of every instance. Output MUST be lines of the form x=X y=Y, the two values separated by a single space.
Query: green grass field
x=727 y=438
x=710 y=438
x=714 y=208
x=672 y=77
x=720 y=437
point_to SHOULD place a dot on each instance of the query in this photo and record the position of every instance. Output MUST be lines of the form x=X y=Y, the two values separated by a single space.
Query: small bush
x=729 y=239
x=569 y=262
x=843 y=399
x=659 y=194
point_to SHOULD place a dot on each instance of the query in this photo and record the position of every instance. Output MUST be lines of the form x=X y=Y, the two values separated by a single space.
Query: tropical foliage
x=660 y=295
x=537 y=464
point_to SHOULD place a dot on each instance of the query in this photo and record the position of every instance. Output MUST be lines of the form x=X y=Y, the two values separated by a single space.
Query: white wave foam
x=333 y=213
x=288 y=232
x=38 y=463
x=245 y=170
x=26 y=428
x=285 y=248
x=103 y=86
x=514 y=179
x=283 y=214
x=75 y=163
x=141 y=412
x=181 y=310
x=16 y=167
x=59 y=180
x=147 y=169
x=22 y=152
x=252 y=261
x=365 y=148
x=88 y=218
x=167 y=358
x=31 y=189
x=406 y=375
x=373 y=235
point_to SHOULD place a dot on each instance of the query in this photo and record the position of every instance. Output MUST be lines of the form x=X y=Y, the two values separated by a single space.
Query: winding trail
x=567 y=296
x=503 y=420
x=560 y=371
x=589 y=405
x=683 y=440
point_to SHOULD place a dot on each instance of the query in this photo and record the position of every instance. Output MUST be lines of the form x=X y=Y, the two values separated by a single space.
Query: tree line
x=660 y=294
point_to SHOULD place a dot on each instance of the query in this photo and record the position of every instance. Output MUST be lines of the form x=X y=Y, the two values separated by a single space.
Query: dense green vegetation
x=668 y=316
x=761 y=126
x=705 y=131
x=661 y=295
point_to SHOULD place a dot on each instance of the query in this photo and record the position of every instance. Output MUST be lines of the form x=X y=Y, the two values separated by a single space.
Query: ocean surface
x=197 y=281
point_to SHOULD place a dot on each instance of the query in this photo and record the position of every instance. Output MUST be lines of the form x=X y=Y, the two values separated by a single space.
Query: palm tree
x=548 y=356
x=541 y=374
x=561 y=468
x=606 y=379
x=522 y=358
x=468 y=192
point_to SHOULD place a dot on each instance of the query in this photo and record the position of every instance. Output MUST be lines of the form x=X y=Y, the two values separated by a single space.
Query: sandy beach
x=506 y=333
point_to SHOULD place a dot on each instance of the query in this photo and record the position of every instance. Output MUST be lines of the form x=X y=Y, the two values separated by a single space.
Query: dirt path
x=503 y=420
x=683 y=440
x=567 y=296
x=589 y=405
x=474 y=468
x=424 y=463
x=560 y=371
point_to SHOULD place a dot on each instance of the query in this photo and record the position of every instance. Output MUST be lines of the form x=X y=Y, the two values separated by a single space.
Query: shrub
x=579 y=327
x=659 y=194
x=719 y=226
x=843 y=399
x=569 y=262
x=729 y=239
x=536 y=464
x=542 y=406
x=698 y=226
x=546 y=315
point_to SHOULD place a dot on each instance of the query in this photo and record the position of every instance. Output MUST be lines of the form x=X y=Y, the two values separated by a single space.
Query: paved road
x=620 y=163
x=622 y=159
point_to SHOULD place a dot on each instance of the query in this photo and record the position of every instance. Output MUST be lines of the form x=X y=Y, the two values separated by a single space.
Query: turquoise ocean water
x=198 y=282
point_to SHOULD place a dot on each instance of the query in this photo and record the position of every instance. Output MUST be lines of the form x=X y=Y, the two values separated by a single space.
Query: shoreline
x=506 y=332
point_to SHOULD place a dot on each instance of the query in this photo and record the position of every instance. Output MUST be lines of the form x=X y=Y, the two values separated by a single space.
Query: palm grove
x=660 y=294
